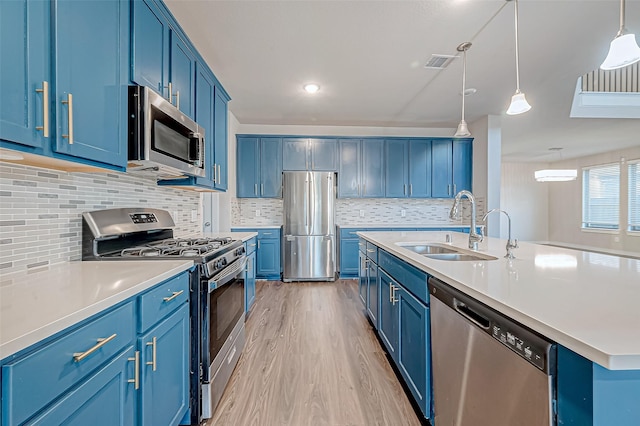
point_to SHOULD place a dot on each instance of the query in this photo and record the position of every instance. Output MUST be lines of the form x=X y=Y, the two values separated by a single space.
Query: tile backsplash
x=376 y=211
x=40 y=210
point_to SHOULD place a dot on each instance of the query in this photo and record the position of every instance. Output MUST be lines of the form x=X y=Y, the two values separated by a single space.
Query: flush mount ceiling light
x=311 y=88
x=624 y=49
x=556 y=175
x=519 y=103
x=463 y=130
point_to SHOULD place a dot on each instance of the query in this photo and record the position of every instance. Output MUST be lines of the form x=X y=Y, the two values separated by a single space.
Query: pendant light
x=519 y=103
x=463 y=130
x=624 y=49
x=556 y=175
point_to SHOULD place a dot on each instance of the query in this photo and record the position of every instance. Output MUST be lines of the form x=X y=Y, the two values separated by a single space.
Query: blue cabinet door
x=220 y=140
x=396 y=170
x=164 y=369
x=295 y=154
x=250 y=282
x=413 y=354
x=247 y=169
x=150 y=44
x=372 y=288
x=441 y=178
x=388 y=315
x=372 y=177
x=25 y=65
x=92 y=60
x=324 y=154
x=204 y=116
x=419 y=168
x=349 y=168
x=182 y=64
x=268 y=260
x=363 y=278
x=462 y=165
x=270 y=168
x=348 y=258
x=105 y=398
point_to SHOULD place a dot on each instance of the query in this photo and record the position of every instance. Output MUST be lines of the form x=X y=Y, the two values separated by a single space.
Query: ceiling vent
x=439 y=62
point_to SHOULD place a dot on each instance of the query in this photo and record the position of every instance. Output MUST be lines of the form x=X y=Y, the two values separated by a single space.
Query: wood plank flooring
x=311 y=358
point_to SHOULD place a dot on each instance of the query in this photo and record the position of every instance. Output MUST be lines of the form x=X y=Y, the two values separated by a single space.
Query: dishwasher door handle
x=473 y=316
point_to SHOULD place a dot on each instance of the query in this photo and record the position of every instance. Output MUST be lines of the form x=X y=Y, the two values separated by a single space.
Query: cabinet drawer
x=410 y=277
x=372 y=252
x=32 y=382
x=159 y=302
x=269 y=234
x=349 y=232
x=362 y=245
x=250 y=245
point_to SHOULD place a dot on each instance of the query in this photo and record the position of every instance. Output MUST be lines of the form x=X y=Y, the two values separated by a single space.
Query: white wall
x=565 y=205
x=526 y=201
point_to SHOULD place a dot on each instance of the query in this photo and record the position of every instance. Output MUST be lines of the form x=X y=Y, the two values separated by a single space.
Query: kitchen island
x=584 y=301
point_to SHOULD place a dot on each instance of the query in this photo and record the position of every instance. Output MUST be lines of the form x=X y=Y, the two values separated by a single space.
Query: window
x=634 y=196
x=601 y=197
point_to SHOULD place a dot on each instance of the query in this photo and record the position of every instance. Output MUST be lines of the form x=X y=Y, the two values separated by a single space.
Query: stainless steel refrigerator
x=309 y=227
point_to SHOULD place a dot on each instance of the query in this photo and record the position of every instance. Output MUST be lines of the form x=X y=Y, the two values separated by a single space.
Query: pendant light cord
x=622 y=30
x=517 y=56
x=464 y=78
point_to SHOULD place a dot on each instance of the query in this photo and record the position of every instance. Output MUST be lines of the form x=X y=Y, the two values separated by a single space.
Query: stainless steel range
x=216 y=288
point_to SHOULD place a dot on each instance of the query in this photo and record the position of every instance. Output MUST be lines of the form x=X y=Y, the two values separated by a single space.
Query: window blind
x=634 y=195
x=601 y=197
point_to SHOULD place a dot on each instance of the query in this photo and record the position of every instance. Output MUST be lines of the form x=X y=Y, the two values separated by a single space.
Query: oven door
x=225 y=310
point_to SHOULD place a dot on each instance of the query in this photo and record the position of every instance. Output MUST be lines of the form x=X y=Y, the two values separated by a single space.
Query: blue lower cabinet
x=105 y=398
x=372 y=292
x=268 y=259
x=388 y=319
x=250 y=282
x=348 y=258
x=164 y=365
x=413 y=349
x=363 y=278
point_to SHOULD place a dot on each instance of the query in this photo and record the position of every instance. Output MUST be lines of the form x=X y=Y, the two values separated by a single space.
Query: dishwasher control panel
x=520 y=344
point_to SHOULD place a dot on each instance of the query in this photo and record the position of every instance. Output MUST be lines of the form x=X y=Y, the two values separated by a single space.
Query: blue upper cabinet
x=150 y=45
x=324 y=154
x=349 y=168
x=441 y=178
x=91 y=48
x=396 y=170
x=181 y=74
x=372 y=177
x=452 y=165
x=259 y=167
x=25 y=69
x=310 y=154
x=205 y=92
x=419 y=168
x=220 y=140
x=462 y=165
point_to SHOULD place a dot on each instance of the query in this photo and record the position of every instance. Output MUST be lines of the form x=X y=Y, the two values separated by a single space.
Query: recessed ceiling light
x=311 y=88
x=470 y=91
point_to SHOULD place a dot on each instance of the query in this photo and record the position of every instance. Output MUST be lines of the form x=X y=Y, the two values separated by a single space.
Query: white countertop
x=256 y=226
x=392 y=226
x=587 y=302
x=37 y=304
x=244 y=236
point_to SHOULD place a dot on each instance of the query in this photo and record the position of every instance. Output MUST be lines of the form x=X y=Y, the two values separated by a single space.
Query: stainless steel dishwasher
x=487 y=369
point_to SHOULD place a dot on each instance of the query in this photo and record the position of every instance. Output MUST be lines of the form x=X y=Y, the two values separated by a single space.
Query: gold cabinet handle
x=390 y=292
x=219 y=174
x=69 y=103
x=136 y=371
x=177 y=95
x=45 y=109
x=79 y=356
x=393 y=294
x=214 y=173
x=173 y=296
x=170 y=96
x=152 y=363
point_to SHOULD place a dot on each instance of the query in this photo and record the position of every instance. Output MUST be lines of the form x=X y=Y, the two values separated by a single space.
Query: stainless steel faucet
x=474 y=237
x=511 y=244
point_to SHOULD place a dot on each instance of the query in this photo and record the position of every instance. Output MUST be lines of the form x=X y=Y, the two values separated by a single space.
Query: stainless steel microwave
x=163 y=141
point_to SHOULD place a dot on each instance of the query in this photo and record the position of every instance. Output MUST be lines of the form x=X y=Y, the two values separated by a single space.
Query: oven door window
x=226 y=306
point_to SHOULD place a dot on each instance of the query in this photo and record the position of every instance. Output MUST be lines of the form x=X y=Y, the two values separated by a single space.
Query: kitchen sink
x=444 y=252
x=426 y=249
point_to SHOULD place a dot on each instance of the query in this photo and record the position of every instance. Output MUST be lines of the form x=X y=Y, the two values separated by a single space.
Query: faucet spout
x=474 y=237
x=511 y=244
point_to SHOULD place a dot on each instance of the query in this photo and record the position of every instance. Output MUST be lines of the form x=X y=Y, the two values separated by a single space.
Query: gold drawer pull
x=152 y=363
x=136 y=371
x=173 y=296
x=79 y=356
x=69 y=103
x=45 y=109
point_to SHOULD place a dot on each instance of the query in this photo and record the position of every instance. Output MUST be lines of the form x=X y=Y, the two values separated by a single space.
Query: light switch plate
x=194 y=215
x=403 y=213
x=361 y=213
x=257 y=213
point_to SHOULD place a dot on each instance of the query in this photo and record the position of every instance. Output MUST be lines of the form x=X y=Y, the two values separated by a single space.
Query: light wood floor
x=311 y=358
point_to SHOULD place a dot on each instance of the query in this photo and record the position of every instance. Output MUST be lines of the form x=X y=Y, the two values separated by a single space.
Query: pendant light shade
x=463 y=130
x=518 y=103
x=556 y=175
x=624 y=49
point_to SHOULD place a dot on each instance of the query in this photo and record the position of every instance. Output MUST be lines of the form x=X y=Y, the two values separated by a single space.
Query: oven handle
x=229 y=273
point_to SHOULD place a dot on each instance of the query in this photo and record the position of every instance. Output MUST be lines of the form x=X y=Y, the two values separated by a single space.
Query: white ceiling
x=369 y=56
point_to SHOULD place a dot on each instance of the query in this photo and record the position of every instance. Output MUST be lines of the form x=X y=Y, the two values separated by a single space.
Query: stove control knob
x=217 y=264
x=223 y=262
x=240 y=251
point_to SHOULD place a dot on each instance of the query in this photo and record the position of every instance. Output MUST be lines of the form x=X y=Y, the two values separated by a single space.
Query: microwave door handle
x=201 y=153
x=228 y=274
